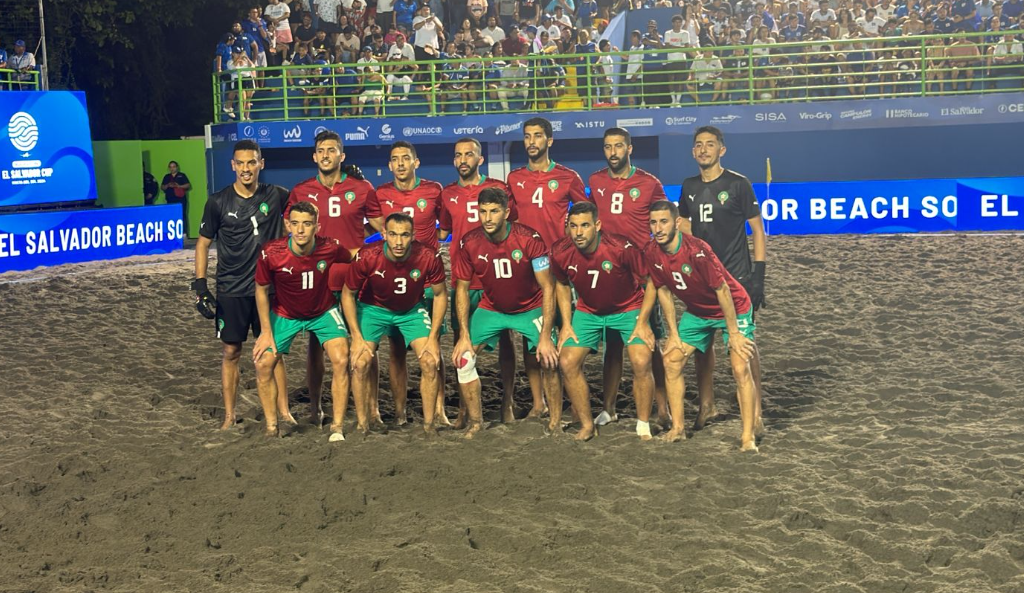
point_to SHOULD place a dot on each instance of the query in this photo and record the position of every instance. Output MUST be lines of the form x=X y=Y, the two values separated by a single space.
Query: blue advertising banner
x=60 y=237
x=45 y=148
x=996 y=108
x=897 y=206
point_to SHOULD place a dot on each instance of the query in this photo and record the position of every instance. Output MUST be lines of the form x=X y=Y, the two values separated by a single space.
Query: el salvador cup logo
x=23 y=131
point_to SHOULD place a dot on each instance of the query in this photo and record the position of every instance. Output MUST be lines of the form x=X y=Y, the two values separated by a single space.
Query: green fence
x=13 y=80
x=870 y=68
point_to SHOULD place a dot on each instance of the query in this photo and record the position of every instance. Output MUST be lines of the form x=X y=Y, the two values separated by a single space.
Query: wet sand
x=894 y=459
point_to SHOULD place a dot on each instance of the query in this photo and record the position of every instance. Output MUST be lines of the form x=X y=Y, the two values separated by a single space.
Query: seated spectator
x=825 y=18
x=707 y=74
x=844 y=24
x=550 y=83
x=378 y=47
x=320 y=44
x=480 y=42
x=794 y=9
x=348 y=46
x=963 y=59
x=492 y=75
x=243 y=79
x=320 y=84
x=935 y=63
x=870 y=23
x=305 y=32
x=399 y=80
x=561 y=19
x=276 y=14
x=514 y=43
x=367 y=61
x=966 y=10
x=515 y=83
x=913 y=25
x=793 y=31
x=943 y=23
x=548 y=25
x=374 y=89
x=821 y=43
x=734 y=71
x=496 y=33
x=401 y=51
x=1006 y=57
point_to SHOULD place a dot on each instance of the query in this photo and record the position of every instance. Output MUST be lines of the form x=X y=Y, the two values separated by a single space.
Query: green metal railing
x=746 y=74
x=12 y=80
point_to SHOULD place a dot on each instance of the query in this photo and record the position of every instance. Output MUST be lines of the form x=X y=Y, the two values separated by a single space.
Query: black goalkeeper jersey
x=718 y=212
x=241 y=226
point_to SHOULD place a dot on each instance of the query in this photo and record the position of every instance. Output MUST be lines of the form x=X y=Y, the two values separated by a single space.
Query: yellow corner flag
x=768 y=174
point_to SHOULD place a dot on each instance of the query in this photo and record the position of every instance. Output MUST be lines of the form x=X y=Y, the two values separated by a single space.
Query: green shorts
x=428 y=304
x=375 y=322
x=474 y=302
x=326 y=327
x=591 y=328
x=700 y=333
x=486 y=326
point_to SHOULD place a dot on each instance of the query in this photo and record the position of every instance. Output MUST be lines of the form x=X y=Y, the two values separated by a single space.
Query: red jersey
x=459 y=213
x=606 y=281
x=300 y=281
x=422 y=203
x=505 y=268
x=543 y=198
x=692 y=274
x=624 y=205
x=342 y=213
x=394 y=285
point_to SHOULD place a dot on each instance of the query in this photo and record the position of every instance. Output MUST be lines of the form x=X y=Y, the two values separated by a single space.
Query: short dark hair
x=404 y=144
x=660 y=205
x=328 y=135
x=541 y=123
x=677 y=17
x=584 y=208
x=305 y=208
x=247 y=145
x=493 y=195
x=619 y=132
x=710 y=130
x=479 y=147
x=175 y=163
x=399 y=217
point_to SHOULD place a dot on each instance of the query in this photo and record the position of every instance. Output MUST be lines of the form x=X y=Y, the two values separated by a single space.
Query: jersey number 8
x=616 y=205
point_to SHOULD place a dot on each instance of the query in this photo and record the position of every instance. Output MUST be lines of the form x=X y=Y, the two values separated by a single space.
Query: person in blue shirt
x=943 y=24
x=256 y=28
x=243 y=39
x=587 y=12
x=405 y=10
x=966 y=9
x=1012 y=9
x=793 y=31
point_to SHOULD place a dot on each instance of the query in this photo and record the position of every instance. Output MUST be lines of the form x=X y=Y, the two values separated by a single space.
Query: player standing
x=542 y=192
x=298 y=267
x=686 y=267
x=420 y=199
x=623 y=195
x=604 y=268
x=512 y=263
x=716 y=206
x=340 y=194
x=389 y=280
x=241 y=217
x=460 y=215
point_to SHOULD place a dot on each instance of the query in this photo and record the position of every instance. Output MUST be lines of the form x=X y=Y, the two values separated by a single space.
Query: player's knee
x=361 y=365
x=570 y=364
x=467 y=369
x=641 y=362
x=232 y=352
x=674 y=361
x=741 y=371
x=428 y=367
x=265 y=365
x=339 y=363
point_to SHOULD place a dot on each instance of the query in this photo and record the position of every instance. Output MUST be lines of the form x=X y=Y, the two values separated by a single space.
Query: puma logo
x=701 y=254
x=627 y=245
x=289 y=270
x=390 y=203
x=455 y=200
x=264 y=254
x=233 y=214
x=483 y=257
x=659 y=266
x=691 y=196
x=313 y=197
x=600 y=190
x=573 y=268
x=521 y=184
x=379 y=273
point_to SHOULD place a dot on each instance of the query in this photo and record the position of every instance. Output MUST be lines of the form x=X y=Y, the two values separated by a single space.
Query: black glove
x=756 y=289
x=352 y=171
x=205 y=303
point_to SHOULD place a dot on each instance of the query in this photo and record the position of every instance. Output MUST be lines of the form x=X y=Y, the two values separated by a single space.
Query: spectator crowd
x=471 y=55
x=18 y=69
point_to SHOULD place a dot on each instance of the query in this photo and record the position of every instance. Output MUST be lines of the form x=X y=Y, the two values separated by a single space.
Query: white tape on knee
x=467 y=372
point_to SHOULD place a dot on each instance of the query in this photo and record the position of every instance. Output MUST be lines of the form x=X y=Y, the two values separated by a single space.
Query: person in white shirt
x=514 y=83
x=870 y=23
x=276 y=14
x=885 y=9
x=546 y=24
x=707 y=72
x=366 y=62
x=1006 y=57
x=675 y=65
x=561 y=19
x=496 y=33
x=824 y=17
x=401 y=51
x=429 y=32
x=633 y=90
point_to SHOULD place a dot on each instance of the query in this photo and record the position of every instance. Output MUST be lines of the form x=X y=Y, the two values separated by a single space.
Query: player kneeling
x=686 y=267
x=605 y=269
x=297 y=267
x=389 y=279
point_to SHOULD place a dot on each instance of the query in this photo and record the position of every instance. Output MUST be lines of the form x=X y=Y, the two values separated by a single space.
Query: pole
x=44 y=79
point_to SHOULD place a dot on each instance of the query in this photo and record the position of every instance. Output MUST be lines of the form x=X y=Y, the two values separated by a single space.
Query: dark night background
x=145 y=65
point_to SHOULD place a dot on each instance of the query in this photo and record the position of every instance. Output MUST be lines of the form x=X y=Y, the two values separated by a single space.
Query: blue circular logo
x=23 y=131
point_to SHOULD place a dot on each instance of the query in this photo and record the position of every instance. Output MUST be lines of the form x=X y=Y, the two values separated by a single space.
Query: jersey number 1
x=307 y=280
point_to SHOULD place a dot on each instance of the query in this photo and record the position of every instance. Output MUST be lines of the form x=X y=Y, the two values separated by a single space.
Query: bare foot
x=401 y=418
x=316 y=417
x=442 y=420
x=377 y=425
x=537 y=412
x=271 y=431
x=508 y=416
x=675 y=435
x=460 y=422
x=749 y=446
x=287 y=418
x=553 y=428
x=363 y=428
x=664 y=421
x=759 y=429
x=586 y=433
x=474 y=428
x=430 y=430
x=229 y=421
x=703 y=416
x=646 y=437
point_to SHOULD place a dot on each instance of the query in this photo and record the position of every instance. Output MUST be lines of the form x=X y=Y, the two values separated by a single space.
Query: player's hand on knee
x=358 y=349
x=205 y=303
x=741 y=345
x=264 y=343
x=547 y=354
x=431 y=355
x=643 y=333
x=462 y=348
